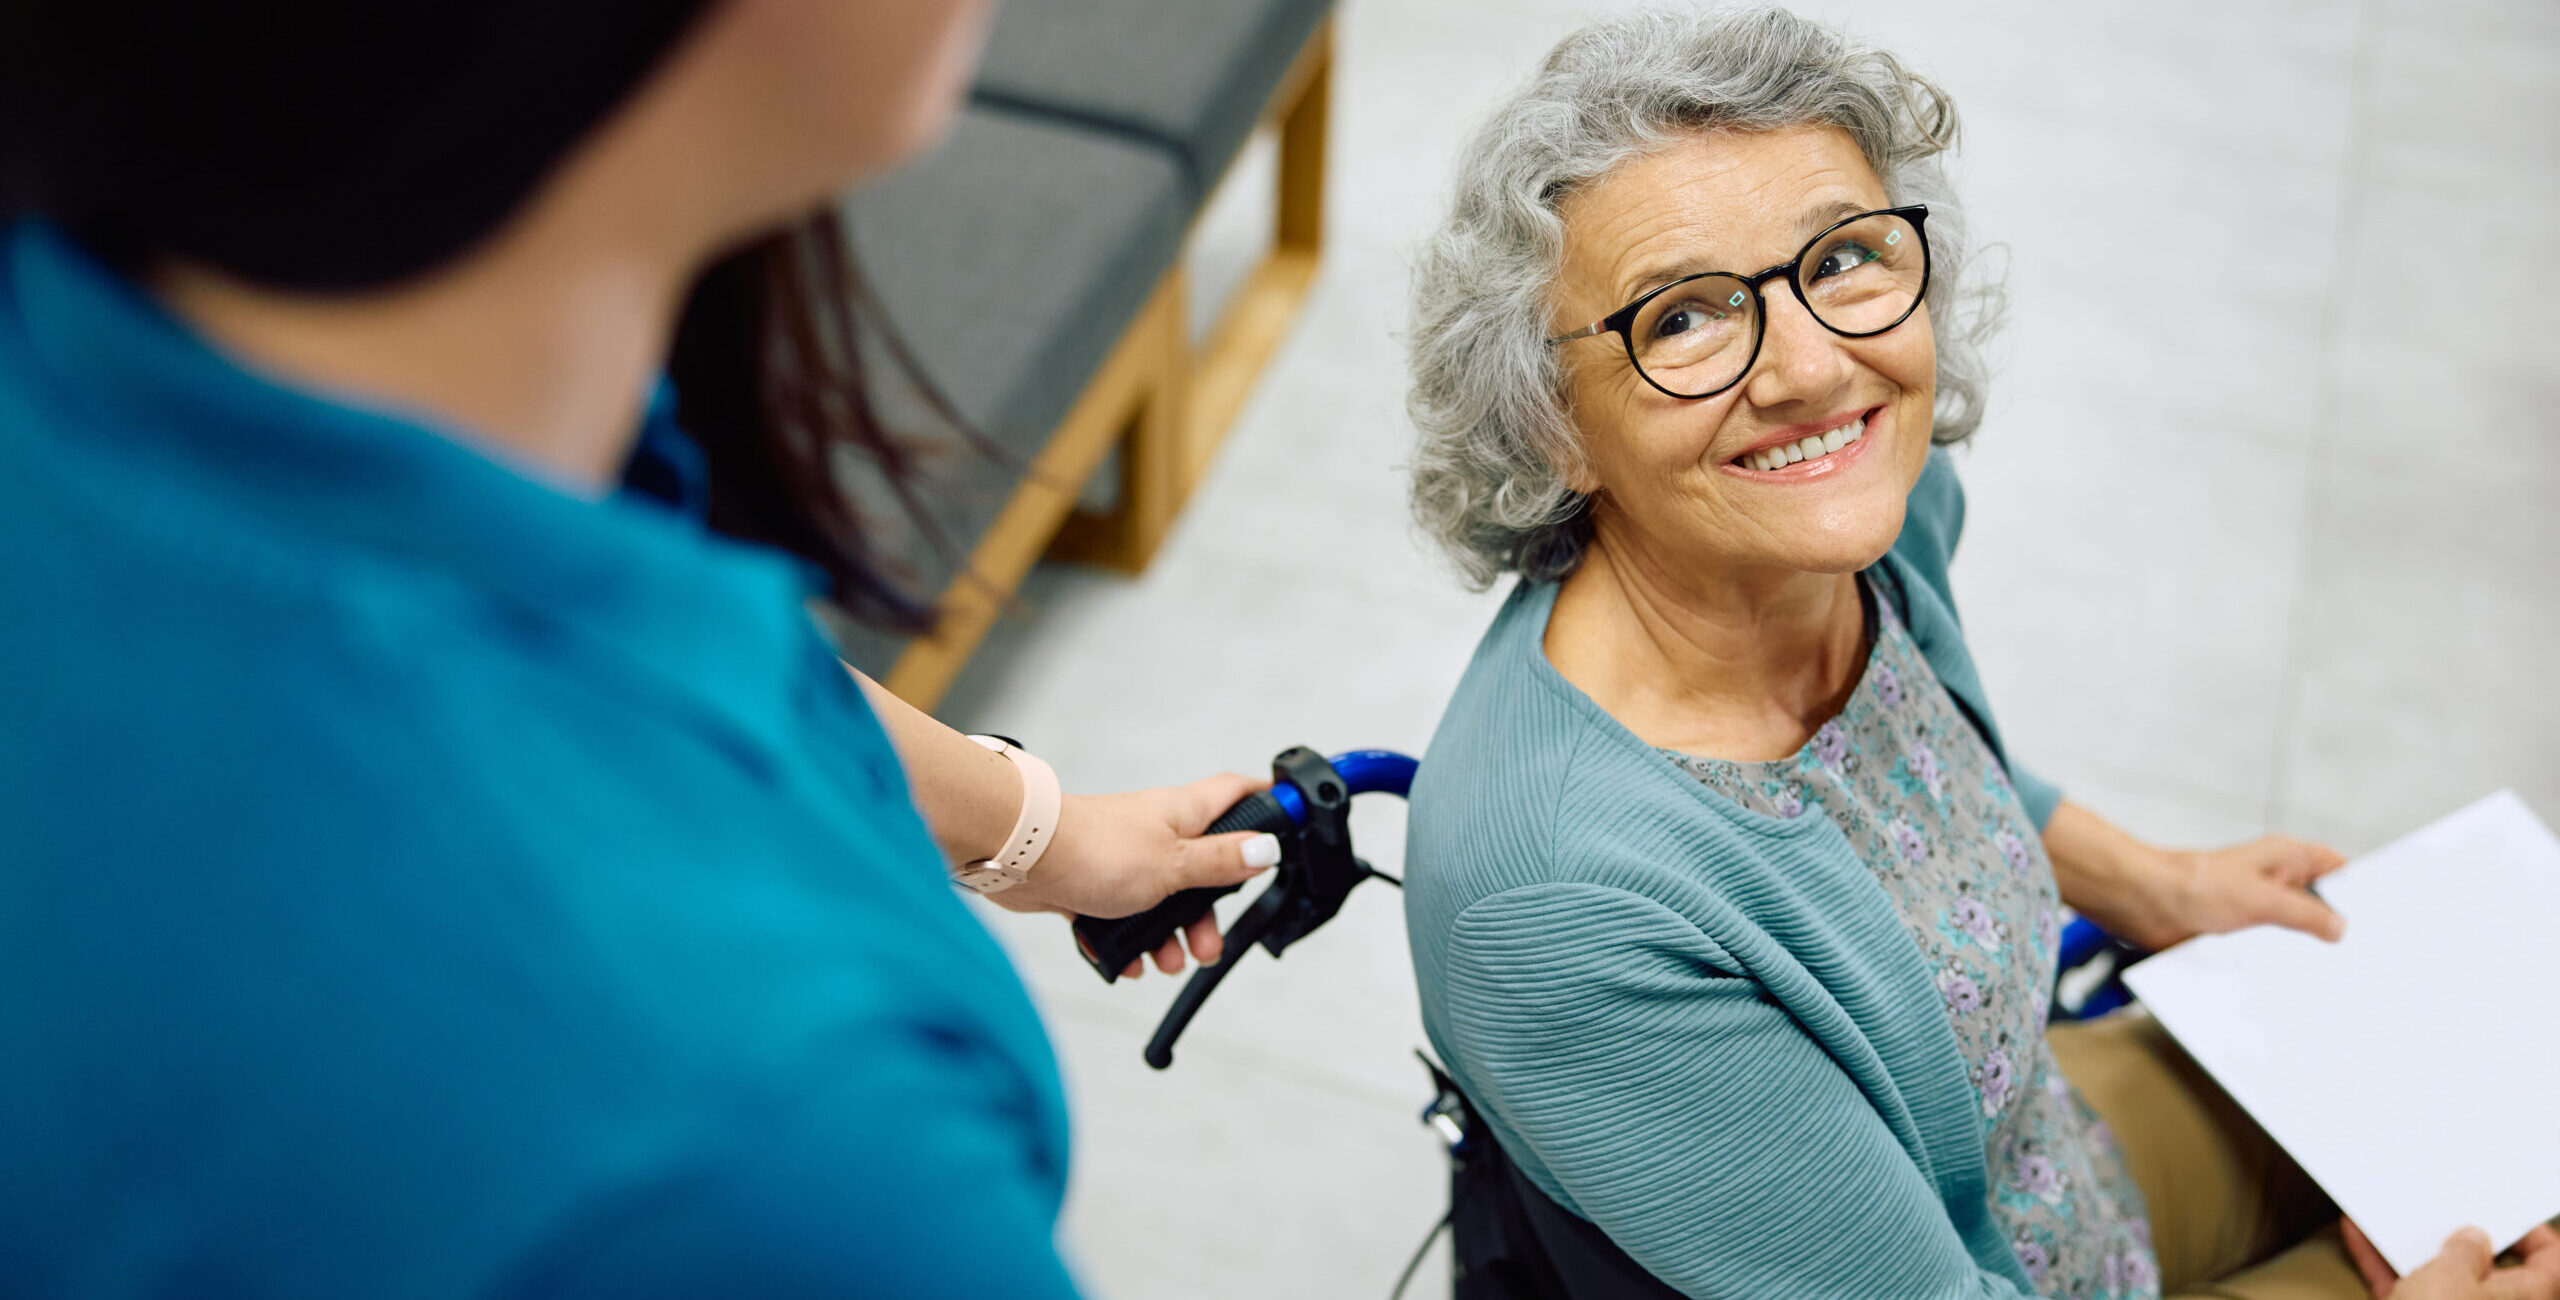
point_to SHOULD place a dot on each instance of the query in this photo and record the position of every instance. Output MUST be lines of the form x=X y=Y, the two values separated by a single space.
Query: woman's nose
x=1799 y=359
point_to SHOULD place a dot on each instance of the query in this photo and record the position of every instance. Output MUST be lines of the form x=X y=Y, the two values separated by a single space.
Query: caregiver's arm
x=1112 y=855
x=808 y=1196
x=1693 y=1121
x=2152 y=897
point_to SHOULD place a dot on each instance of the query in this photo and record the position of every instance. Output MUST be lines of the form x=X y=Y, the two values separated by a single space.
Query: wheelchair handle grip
x=1110 y=945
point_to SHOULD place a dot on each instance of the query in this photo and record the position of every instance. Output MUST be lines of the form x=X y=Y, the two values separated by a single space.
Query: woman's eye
x=1684 y=318
x=1842 y=258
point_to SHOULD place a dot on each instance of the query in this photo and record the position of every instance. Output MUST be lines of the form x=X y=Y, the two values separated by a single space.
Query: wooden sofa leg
x=1143 y=375
x=1257 y=319
x=1303 y=125
x=1151 y=486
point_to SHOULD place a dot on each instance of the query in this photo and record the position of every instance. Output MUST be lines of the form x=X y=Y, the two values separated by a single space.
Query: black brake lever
x=1316 y=873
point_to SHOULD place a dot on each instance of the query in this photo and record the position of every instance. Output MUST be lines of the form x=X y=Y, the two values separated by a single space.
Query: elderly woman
x=1728 y=907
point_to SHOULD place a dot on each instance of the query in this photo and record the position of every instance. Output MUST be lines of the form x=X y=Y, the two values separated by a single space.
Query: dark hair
x=317 y=145
x=768 y=372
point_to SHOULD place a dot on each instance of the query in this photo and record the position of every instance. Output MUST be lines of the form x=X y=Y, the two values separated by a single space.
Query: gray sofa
x=1033 y=264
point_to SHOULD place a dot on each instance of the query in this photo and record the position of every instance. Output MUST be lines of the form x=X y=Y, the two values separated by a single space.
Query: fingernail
x=1262 y=851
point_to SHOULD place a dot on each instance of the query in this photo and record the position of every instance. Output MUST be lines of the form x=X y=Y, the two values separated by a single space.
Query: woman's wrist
x=1034 y=823
x=969 y=795
x=2130 y=888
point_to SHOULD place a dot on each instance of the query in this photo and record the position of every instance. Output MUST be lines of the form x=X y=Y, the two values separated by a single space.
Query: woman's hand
x=2153 y=897
x=1118 y=854
x=2262 y=882
x=2465 y=1269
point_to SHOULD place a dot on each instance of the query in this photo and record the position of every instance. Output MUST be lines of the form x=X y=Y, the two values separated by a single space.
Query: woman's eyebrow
x=1650 y=276
x=1837 y=209
x=1653 y=275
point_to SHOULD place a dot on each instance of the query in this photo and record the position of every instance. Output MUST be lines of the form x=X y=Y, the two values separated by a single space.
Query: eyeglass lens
x=1697 y=336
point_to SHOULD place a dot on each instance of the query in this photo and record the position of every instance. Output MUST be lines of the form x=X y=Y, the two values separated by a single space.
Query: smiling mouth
x=1814 y=447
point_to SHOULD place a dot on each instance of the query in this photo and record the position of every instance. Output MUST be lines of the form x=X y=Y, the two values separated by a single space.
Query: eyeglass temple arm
x=1595 y=327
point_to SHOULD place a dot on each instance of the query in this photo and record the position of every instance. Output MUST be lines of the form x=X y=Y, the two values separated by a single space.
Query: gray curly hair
x=1497 y=446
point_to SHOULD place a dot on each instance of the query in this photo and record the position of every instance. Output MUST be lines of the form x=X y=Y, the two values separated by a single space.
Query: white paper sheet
x=2414 y=1067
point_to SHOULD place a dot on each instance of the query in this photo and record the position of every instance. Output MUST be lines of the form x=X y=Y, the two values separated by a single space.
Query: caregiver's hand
x=1111 y=855
x=2154 y=897
x=2464 y=1269
x=1120 y=854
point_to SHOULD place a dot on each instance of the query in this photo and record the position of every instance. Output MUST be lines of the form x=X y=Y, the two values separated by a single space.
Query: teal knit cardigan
x=1703 y=1029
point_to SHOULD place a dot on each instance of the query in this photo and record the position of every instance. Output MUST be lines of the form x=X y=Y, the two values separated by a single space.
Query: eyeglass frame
x=1622 y=321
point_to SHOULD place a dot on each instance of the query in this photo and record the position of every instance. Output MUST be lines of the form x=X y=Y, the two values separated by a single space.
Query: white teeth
x=1779 y=457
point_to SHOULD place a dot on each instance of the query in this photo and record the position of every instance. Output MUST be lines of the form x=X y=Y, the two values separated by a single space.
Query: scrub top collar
x=722 y=623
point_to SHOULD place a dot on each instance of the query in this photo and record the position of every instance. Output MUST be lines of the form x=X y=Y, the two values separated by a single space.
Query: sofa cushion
x=1192 y=75
x=1010 y=260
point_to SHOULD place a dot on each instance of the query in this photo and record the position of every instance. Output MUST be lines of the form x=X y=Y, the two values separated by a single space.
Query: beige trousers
x=2231 y=1215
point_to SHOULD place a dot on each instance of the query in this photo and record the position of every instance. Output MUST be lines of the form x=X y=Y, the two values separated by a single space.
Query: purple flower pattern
x=1994 y=1080
x=1975 y=922
x=2036 y=1176
x=2032 y=1256
x=1917 y=793
x=2139 y=1273
x=1831 y=746
x=1964 y=997
x=2013 y=850
x=1924 y=764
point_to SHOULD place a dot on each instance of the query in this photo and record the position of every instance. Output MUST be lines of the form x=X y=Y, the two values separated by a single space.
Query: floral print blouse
x=1921 y=798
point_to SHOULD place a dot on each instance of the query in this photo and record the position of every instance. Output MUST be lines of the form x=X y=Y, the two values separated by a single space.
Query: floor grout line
x=2328 y=401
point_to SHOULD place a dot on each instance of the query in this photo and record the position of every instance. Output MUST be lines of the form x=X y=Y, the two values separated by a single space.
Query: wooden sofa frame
x=1164 y=406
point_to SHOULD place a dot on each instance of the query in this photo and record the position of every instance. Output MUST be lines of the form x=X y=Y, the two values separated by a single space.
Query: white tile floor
x=2262 y=532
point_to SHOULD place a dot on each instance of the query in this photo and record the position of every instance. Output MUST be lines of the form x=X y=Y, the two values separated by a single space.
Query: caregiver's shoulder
x=332 y=868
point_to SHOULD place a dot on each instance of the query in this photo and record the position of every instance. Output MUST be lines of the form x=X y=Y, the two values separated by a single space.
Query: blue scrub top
x=419 y=880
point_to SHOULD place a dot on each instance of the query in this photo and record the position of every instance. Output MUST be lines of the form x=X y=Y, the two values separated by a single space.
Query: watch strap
x=1032 y=827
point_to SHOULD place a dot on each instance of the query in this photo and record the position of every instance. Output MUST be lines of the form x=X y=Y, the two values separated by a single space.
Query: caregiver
x=438 y=855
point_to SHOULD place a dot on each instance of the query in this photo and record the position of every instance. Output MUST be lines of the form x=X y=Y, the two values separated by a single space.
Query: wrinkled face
x=1688 y=481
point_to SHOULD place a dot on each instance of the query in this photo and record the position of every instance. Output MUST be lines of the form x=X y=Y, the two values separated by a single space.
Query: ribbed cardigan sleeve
x=1688 y=1116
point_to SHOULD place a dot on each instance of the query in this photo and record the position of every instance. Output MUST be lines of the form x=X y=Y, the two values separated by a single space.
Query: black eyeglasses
x=1697 y=336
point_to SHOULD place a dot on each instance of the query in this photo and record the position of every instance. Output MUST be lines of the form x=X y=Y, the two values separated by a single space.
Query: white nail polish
x=1262 y=851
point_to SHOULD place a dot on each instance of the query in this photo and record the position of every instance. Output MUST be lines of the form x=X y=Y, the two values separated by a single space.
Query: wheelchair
x=1510 y=1240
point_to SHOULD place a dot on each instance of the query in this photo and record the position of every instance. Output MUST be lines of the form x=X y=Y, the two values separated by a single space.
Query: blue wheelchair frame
x=1512 y=1242
x=1308 y=807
